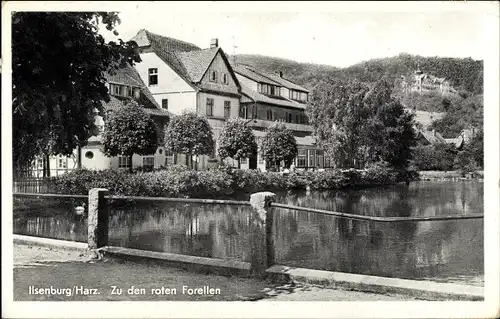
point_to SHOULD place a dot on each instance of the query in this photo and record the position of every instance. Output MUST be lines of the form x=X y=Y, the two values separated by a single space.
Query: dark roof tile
x=250 y=73
x=196 y=63
x=281 y=101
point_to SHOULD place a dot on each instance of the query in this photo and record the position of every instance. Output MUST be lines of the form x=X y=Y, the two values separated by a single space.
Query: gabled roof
x=264 y=77
x=196 y=63
x=432 y=137
x=129 y=76
x=286 y=83
x=186 y=59
x=457 y=142
x=281 y=101
x=252 y=74
x=116 y=103
x=144 y=38
x=126 y=76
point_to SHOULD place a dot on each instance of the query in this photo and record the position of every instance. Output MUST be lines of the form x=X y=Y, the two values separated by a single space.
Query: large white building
x=175 y=76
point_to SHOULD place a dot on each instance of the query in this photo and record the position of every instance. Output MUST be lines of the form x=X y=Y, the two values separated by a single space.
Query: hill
x=447 y=114
x=464 y=74
x=306 y=74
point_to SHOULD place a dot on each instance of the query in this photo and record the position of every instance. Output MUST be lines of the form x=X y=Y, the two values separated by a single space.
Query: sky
x=315 y=33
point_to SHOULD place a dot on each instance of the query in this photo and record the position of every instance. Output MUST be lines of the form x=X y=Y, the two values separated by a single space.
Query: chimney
x=434 y=132
x=214 y=43
x=281 y=74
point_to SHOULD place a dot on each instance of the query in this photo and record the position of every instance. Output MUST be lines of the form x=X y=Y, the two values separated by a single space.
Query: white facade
x=180 y=94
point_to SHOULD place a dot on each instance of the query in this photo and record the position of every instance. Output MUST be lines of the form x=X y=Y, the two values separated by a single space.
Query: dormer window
x=213 y=76
x=298 y=96
x=269 y=89
x=130 y=91
x=153 y=76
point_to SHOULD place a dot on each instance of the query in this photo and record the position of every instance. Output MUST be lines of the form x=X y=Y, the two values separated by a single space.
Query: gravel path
x=80 y=278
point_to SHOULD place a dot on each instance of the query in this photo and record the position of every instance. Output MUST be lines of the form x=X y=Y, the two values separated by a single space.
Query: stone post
x=98 y=218
x=261 y=233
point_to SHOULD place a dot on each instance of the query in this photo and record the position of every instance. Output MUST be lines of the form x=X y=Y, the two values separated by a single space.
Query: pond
x=449 y=251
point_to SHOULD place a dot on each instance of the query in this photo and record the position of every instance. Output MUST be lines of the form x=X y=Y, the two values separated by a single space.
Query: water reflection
x=408 y=249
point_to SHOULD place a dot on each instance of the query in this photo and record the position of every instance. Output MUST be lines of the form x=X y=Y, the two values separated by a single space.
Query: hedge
x=178 y=181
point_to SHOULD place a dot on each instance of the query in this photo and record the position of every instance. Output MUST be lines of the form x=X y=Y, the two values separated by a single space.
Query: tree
x=471 y=157
x=128 y=131
x=58 y=65
x=439 y=157
x=278 y=145
x=236 y=140
x=337 y=114
x=390 y=132
x=189 y=134
x=357 y=124
x=476 y=148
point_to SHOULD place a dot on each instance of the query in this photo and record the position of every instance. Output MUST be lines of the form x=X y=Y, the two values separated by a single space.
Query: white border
x=486 y=309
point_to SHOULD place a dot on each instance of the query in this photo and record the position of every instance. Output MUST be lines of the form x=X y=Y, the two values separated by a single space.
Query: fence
x=261 y=220
x=32 y=185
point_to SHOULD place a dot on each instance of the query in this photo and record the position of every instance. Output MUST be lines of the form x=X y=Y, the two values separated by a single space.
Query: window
x=153 y=76
x=115 y=89
x=270 y=114
x=124 y=162
x=319 y=158
x=148 y=161
x=260 y=159
x=301 y=158
x=62 y=162
x=40 y=163
x=164 y=104
x=244 y=111
x=210 y=106
x=225 y=79
x=255 y=112
x=227 y=109
x=311 y=158
x=213 y=76
x=268 y=89
x=243 y=161
x=130 y=91
x=89 y=155
x=288 y=117
x=297 y=118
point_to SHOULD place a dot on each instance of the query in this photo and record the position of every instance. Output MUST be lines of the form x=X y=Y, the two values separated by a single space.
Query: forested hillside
x=461 y=110
x=464 y=74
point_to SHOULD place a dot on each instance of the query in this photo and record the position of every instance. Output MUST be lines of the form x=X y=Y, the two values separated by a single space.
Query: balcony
x=292 y=126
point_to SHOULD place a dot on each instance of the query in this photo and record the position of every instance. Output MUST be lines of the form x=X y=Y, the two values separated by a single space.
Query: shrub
x=440 y=157
x=179 y=181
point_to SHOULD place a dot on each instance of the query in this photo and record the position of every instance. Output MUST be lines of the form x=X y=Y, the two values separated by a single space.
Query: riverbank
x=178 y=181
x=450 y=175
x=90 y=280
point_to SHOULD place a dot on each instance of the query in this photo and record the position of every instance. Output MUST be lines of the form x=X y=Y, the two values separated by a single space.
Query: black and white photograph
x=250 y=159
